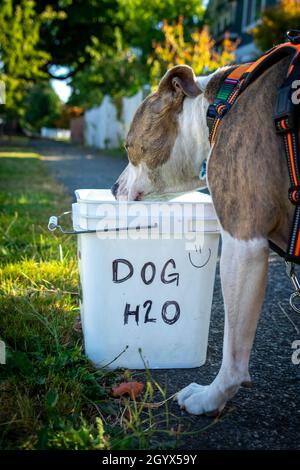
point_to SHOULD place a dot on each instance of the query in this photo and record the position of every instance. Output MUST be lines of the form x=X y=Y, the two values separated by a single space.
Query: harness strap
x=243 y=76
x=226 y=96
x=285 y=118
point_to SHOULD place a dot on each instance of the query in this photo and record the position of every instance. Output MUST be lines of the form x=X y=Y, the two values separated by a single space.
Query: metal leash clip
x=53 y=224
x=290 y=270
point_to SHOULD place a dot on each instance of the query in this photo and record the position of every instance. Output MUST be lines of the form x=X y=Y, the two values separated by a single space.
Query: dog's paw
x=199 y=399
x=186 y=392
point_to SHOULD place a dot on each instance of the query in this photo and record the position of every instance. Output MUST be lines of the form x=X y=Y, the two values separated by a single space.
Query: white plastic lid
x=92 y=196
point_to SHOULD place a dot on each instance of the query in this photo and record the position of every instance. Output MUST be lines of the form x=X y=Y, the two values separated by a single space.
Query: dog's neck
x=193 y=139
x=210 y=84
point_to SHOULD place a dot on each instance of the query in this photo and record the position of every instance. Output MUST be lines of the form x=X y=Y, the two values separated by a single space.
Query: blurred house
x=77 y=130
x=55 y=134
x=106 y=126
x=237 y=18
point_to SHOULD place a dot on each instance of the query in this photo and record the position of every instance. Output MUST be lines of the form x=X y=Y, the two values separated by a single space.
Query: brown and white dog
x=248 y=180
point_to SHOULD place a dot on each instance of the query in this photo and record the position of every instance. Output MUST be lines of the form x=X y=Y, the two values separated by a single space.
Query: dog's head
x=164 y=143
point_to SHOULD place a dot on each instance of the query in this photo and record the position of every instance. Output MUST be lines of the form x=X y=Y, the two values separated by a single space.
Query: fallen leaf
x=133 y=389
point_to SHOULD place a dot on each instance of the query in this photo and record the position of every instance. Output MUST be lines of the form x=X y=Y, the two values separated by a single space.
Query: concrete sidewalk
x=79 y=167
x=266 y=416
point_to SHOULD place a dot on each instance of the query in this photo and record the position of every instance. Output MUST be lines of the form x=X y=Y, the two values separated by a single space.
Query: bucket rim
x=207 y=200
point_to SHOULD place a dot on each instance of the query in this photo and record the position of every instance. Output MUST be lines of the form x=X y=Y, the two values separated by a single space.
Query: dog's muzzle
x=114 y=189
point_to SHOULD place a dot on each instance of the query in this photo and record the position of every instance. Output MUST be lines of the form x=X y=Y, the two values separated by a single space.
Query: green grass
x=51 y=397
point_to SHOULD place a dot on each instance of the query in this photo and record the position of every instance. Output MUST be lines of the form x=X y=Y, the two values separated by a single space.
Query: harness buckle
x=222 y=109
x=293 y=36
x=294 y=195
x=284 y=115
x=290 y=271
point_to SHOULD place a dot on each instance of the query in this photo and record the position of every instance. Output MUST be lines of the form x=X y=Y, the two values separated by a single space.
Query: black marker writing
x=128 y=312
x=148 y=272
x=201 y=265
x=174 y=277
x=166 y=305
x=148 y=304
x=115 y=266
x=143 y=272
x=168 y=314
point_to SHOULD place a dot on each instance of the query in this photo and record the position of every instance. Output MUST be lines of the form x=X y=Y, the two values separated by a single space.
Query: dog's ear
x=181 y=80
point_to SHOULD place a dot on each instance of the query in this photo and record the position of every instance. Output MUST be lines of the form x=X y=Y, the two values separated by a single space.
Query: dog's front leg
x=243 y=274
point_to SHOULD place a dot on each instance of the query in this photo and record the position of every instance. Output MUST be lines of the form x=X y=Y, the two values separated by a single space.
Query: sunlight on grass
x=22 y=154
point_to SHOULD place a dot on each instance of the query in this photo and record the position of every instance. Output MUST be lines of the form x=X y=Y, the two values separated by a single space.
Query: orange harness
x=285 y=118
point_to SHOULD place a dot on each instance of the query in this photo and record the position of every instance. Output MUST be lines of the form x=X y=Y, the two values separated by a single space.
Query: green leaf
x=52 y=398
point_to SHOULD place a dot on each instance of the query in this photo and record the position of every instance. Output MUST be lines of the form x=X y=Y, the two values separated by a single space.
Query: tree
x=142 y=20
x=276 y=21
x=116 y=72
x=123 y=67
x=70 y=27
x=199 y=53
x=42 y=107
x=21 y=61
x=105 y=44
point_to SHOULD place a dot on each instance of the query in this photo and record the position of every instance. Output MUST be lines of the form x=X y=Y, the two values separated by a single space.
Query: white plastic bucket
x=147 y=293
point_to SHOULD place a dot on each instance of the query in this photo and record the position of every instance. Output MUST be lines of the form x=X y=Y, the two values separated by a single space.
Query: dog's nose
x=114 y=188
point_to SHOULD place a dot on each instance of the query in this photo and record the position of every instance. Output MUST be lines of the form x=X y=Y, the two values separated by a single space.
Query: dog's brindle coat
x=248 y=180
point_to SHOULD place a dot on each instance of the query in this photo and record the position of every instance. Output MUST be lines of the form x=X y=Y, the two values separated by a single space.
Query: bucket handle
x=53 y=224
